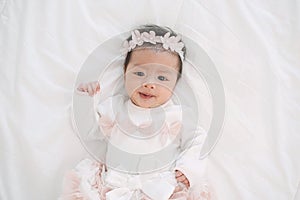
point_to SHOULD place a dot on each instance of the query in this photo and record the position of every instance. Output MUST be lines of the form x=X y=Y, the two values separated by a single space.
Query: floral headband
x=169 y=43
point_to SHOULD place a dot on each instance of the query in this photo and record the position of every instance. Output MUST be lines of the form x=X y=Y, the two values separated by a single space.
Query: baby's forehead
x=150 y=56
x=155 y=67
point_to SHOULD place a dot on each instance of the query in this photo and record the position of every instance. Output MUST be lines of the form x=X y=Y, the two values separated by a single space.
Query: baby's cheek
x=131 y=86
x=169 y=87
x=165 y=93
x=130 y=89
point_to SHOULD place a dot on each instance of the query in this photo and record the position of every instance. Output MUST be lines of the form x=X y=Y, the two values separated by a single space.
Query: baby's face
x=151 y=77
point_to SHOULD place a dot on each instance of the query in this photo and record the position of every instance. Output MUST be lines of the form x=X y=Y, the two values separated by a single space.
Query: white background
x=254 y=44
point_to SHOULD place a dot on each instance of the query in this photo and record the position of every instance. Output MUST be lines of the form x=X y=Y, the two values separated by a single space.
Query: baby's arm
x=191 y=142
x=189 y=163
x=91 y=88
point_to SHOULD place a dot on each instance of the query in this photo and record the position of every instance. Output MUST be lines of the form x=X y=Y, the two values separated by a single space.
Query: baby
x=146 y=122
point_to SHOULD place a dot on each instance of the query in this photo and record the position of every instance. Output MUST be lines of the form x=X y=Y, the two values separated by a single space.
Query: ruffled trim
x=84 y=182
x=204 y=192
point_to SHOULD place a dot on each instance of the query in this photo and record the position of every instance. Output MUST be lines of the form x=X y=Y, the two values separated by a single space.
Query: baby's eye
x=162 y=78
x=139 y=73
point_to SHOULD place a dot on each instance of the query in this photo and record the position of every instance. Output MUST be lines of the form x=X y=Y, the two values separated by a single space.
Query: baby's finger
x=186 y=183
x=93 y=88
x=90 y=90
x=80 y=87
x=95 y=85
x=98 y=87
x=178 y=173
x=180 y=178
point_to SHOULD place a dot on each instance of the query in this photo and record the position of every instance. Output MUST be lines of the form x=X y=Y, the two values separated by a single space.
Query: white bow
x=157 y=188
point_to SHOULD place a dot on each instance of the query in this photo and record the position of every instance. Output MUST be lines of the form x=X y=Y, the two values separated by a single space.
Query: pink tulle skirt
x=85 y=183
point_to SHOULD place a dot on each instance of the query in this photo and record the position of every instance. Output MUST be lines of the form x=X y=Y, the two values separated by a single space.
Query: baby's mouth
x=145 y=95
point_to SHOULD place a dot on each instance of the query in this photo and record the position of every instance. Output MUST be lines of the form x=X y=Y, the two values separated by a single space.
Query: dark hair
x=159 y=31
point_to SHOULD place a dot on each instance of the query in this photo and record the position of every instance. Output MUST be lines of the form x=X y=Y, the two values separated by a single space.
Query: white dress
x=144 y=148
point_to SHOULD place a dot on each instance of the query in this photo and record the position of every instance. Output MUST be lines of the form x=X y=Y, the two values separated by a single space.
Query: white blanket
x=254 y=45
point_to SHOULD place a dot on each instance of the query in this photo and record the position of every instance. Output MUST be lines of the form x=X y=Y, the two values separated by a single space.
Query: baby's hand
x=180 y=177
x=91 y=88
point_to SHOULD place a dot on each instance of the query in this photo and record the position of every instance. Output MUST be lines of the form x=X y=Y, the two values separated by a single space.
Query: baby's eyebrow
x=165 y=71
x=146 y=67
x=137 y=66
x=162 y=72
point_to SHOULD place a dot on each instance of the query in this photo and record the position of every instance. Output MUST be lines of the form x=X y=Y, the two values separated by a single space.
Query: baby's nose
x=149 y=82
x=149 y=85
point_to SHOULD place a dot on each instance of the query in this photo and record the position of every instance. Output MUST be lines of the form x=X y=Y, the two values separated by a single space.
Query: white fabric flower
x=125 y=47
x=150 y=37
x=166 y=40
x=169 y=43
x=136 y=38
x=173 y=43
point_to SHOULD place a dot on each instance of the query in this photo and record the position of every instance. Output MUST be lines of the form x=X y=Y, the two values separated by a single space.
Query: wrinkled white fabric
x=254 y=45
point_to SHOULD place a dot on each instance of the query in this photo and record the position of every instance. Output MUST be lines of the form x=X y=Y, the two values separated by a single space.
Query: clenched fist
x=180 y=177
x=91 y=88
